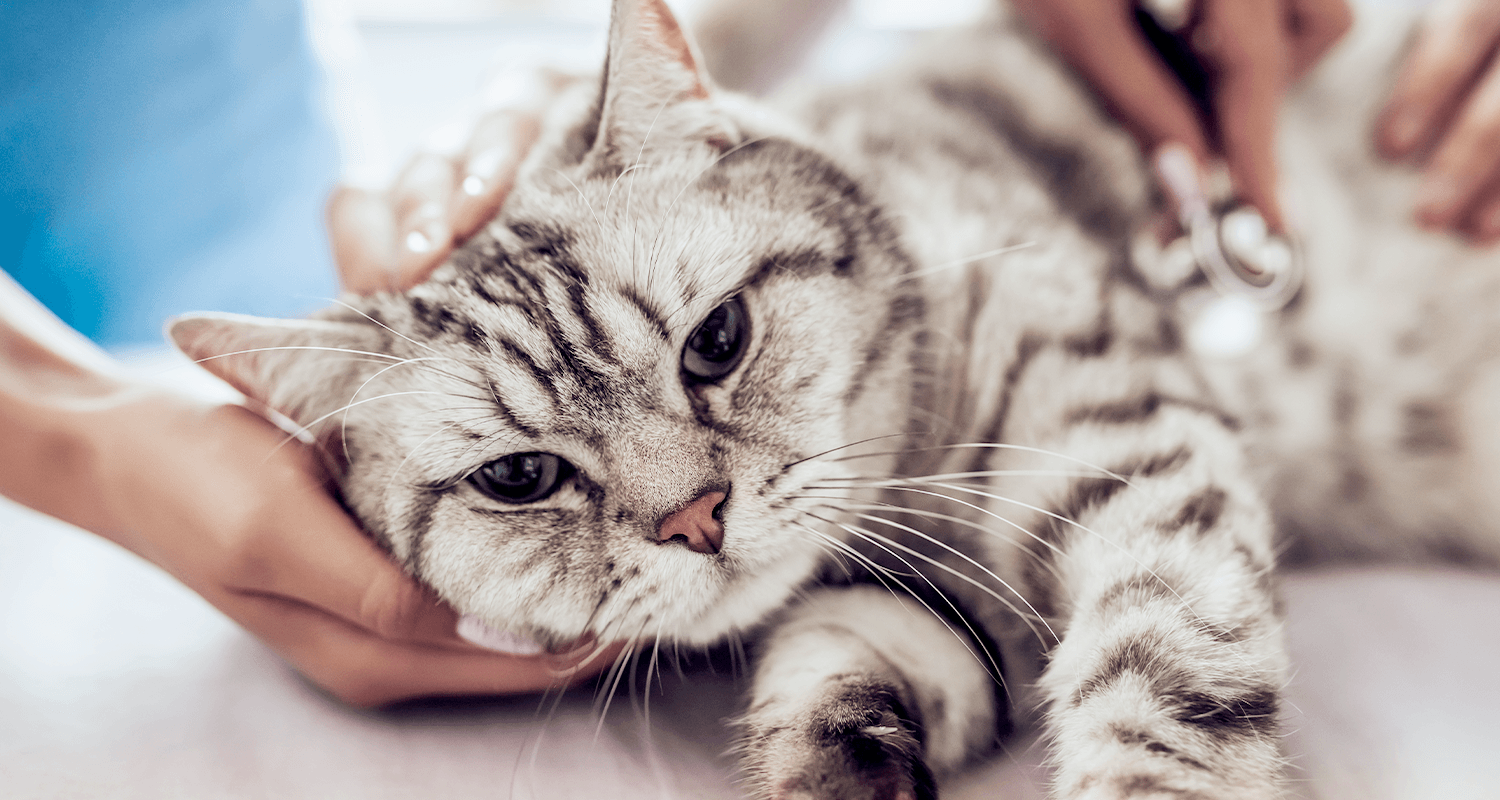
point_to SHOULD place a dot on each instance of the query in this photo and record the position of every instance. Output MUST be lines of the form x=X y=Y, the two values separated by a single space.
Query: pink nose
x=696 y=524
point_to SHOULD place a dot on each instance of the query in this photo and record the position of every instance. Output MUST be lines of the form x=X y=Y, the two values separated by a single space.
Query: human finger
x=1100 y=39
x=420 y=203
x=283 y=535
x=1315 y=26
x=1243 y=44
x=500 y=140
x=1466 y=162
x=1457 y=42
x=367 y=670
x=362 y=231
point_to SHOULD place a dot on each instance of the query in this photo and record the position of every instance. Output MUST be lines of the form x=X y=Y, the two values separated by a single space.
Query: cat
x=884 y=378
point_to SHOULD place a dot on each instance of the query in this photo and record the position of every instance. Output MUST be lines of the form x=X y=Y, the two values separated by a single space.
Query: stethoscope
x=1231 y=243
x=1242 y=258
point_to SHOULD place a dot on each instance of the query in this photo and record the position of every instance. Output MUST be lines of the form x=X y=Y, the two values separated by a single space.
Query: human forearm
x=52 y=382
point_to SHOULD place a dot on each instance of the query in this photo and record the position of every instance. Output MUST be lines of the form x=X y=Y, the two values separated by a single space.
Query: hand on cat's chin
x=220 y=499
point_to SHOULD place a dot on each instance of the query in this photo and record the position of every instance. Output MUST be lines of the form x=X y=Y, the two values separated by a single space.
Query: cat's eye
x=715 y=348
x=522 y=477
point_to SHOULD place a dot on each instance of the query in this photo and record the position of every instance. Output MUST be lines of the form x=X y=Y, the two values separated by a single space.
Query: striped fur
x=971 y=471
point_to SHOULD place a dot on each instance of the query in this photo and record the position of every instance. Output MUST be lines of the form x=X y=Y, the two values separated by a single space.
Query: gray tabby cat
x=718 y=370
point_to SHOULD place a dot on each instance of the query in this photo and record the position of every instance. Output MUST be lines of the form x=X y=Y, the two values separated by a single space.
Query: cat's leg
x=863 y=694
x=1166 y=679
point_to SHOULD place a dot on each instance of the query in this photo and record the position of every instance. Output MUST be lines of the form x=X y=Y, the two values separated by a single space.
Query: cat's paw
x=859 y=743
x=1164 y=773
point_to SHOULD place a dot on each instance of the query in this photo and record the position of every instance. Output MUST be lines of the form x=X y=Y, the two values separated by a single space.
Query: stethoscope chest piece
x=1243 y=258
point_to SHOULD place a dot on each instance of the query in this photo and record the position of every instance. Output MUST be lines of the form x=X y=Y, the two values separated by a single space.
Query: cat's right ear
x=302 y=368
x=655 y=90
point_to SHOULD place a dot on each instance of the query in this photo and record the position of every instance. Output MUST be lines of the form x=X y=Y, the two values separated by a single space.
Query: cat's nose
x=697 y=524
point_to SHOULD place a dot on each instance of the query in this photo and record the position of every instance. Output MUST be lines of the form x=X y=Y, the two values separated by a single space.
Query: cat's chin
x=746 y=603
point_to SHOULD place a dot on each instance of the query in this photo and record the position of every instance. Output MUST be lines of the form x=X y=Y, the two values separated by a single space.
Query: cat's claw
x=858 y=745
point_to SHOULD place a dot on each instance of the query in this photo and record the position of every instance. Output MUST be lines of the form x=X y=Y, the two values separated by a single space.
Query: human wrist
x=51 y=450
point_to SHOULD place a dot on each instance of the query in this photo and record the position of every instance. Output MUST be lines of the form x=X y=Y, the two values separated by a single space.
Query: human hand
x=1446 y=108
x=1251 y=49
x=391 y=240
x=219 y=498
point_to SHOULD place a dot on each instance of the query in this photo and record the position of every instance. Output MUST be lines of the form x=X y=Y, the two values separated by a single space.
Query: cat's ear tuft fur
x=655 y=88
x=285 y=364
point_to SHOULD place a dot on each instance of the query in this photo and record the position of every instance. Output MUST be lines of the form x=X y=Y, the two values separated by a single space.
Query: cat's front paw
x=860 y=743
x=1154 y=770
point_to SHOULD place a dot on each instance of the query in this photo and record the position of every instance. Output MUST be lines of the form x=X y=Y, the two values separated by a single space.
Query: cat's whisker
x=581 y=196
x=865 y=482
x=814 y=456
x=688 y=184
x=1037 y=615
x=996 y=446
x=885 y=543
x=651 y=665
x=999 y=251
x=1080 y=526
x=1039 y=539
x=344 y=424
x=877 y=505
x=613 y=677
x=306 y=431
x=459 y=456
x=429 y=348
x=639 y=156
x=993 y=668
x=615 y=184
x=877 y=571
x=345 y=350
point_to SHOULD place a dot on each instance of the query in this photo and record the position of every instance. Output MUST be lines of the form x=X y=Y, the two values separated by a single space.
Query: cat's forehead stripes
x=575 y=306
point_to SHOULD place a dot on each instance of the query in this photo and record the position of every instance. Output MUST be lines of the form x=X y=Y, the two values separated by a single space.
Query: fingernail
x=418 y=242
x=1436 y=199
x=428 y=232
x=1403 y=130
x=483 y=167
x=1177 y=168
x=476 y=631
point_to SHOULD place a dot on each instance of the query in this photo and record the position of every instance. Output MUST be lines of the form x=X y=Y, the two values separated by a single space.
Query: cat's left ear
x=655 y=88
x=302 y=368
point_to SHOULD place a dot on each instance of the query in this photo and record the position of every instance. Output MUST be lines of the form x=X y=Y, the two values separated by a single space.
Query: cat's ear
x=655 y=87
x=301 y=368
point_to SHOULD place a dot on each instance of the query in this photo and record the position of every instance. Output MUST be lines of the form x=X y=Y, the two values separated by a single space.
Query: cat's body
x=734 y=372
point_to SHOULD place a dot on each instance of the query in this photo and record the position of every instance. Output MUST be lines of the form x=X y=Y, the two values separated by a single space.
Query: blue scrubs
x=160 y=157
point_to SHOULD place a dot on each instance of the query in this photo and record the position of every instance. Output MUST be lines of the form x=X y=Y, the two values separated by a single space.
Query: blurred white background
x=403 y=74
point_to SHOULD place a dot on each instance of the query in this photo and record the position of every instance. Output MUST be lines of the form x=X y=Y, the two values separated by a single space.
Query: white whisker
x=867 y=561
x=885 y=543
x=999 y=251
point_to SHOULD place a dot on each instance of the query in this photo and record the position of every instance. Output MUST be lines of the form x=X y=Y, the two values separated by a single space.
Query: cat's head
x=604 y=414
